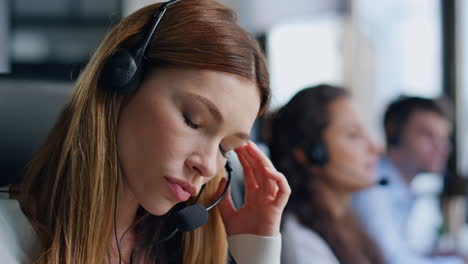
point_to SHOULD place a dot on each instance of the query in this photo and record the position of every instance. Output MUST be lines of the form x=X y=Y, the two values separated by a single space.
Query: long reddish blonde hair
x=68 y=189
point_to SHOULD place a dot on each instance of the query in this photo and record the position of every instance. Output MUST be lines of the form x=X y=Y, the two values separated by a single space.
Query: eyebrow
x=216 y=113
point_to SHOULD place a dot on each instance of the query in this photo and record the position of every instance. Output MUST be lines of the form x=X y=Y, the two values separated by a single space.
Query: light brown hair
x=68 y=189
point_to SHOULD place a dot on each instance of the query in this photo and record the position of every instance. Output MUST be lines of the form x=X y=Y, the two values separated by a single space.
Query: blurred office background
x=378 y=49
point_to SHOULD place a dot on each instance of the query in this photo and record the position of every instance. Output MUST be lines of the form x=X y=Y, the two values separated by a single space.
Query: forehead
x=344 y=111
x=429 y=120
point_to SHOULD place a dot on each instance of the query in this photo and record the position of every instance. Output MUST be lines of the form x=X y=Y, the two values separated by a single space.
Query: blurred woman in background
x=319 y=142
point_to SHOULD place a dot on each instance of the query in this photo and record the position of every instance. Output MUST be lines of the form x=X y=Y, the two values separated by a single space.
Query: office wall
x=4 y=36
x=257 y=16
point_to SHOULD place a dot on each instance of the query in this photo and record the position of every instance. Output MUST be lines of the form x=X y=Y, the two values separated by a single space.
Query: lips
x=180 y=189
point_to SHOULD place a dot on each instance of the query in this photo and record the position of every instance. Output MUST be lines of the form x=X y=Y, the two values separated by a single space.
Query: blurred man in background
x=417 y=132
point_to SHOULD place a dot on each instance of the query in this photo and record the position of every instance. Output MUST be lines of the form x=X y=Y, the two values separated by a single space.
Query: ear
x=392 y=135
x=299 y=156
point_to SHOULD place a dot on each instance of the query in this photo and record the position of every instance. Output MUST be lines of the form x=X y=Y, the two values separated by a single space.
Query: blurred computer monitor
x=5 y=36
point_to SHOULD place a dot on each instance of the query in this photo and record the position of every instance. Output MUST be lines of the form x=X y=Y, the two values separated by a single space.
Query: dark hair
x=399 y=111
x=303 y=120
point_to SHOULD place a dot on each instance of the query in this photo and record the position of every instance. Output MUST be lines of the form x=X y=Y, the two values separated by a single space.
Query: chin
x=364 y=185
x=369 y=180
x=361 y=183
x=434 y=168
x=158 y=208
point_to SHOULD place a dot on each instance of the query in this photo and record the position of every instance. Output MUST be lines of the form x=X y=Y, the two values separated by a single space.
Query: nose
x=204 y=162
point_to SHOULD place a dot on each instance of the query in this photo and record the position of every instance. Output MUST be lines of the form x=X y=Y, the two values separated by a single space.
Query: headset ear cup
x=120 y=73
x=317 y=154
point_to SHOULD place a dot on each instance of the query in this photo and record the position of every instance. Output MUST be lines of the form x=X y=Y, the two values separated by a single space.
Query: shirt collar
x=396 y=182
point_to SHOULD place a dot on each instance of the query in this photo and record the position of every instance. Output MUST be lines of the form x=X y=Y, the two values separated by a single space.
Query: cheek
x=152 y=145
x=341 y=164
x=171 y=139
x=352 y=164
x=421 y=148
x=151 y=142
x=148 y=138
x=346 y=154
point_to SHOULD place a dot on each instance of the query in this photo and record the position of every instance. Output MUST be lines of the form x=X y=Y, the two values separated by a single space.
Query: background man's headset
x=122 y=74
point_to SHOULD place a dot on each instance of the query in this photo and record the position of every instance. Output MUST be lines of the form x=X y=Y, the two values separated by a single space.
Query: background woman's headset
x=316 y=153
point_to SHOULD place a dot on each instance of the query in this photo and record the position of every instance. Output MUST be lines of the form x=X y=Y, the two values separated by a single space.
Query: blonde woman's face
x=174 y=130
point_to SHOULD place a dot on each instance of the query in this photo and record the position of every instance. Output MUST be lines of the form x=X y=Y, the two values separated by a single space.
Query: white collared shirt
x=18 y=243
x=302 y=245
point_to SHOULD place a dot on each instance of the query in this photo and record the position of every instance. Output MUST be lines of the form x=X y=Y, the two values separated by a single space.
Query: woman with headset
x=169 y=92
x=326 y=155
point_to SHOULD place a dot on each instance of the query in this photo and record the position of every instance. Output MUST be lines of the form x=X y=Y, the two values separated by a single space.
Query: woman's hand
x=266 y=195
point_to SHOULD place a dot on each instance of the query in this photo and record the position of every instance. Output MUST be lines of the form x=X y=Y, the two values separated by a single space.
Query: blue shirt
x=384 y=211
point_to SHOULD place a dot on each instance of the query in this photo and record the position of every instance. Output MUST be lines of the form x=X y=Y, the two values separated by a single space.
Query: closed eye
x=223 y=152
x=189 y=122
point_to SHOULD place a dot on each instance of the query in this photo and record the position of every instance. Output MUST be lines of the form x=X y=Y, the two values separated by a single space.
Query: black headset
x=316 y=153
x=124 y=70
x=122 y=74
